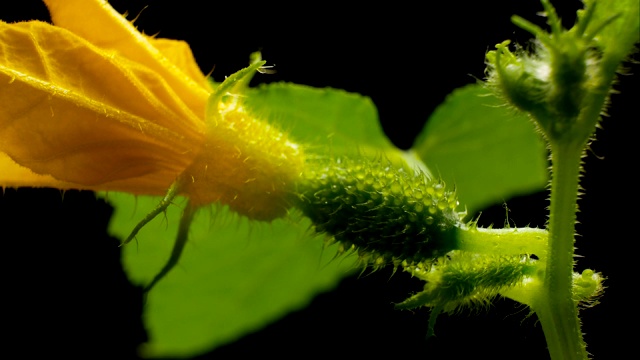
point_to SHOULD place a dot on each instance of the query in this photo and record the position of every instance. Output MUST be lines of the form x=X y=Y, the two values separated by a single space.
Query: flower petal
x=86 y=116
x=97 y=22
x=179 y=53
x=14 y=175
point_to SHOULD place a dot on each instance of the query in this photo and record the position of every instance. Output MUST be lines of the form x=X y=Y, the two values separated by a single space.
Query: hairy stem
x=511 y=241
x=556 y=308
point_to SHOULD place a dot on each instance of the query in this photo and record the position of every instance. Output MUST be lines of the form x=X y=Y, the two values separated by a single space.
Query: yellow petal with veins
x=91 y=103
x=97 y=22
x=179 y=53
x=14 y=175
x=90 y=117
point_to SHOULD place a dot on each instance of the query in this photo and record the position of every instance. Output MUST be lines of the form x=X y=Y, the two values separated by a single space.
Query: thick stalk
x=556 y=309
x=511 y=241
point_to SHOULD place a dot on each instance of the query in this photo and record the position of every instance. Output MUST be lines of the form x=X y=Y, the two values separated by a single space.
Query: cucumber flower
x=92 y=103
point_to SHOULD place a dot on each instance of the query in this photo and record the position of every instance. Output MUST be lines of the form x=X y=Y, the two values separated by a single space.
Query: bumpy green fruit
x=387 y=214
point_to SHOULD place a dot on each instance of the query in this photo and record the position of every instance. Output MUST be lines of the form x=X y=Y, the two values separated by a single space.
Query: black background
x=65 y=293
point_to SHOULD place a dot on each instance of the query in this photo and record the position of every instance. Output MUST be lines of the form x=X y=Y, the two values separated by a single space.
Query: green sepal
x=464 y=279
x=232 y=87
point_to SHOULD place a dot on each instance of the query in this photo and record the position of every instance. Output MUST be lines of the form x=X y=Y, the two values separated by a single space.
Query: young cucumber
x=388 y=214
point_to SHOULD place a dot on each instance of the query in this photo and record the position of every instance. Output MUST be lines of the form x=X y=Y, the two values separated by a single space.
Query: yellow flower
x=91 y=103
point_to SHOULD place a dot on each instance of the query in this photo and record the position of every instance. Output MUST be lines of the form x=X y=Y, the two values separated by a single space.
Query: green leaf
x=327 y=121
x=234 y=277
x=616 y=39
x=487 y=151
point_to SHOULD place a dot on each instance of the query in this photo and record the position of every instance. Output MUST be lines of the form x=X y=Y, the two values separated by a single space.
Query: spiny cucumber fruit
x=387 y=214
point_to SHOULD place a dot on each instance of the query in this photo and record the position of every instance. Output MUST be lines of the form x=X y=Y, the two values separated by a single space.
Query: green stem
x=556 y=308
x=510 y=241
